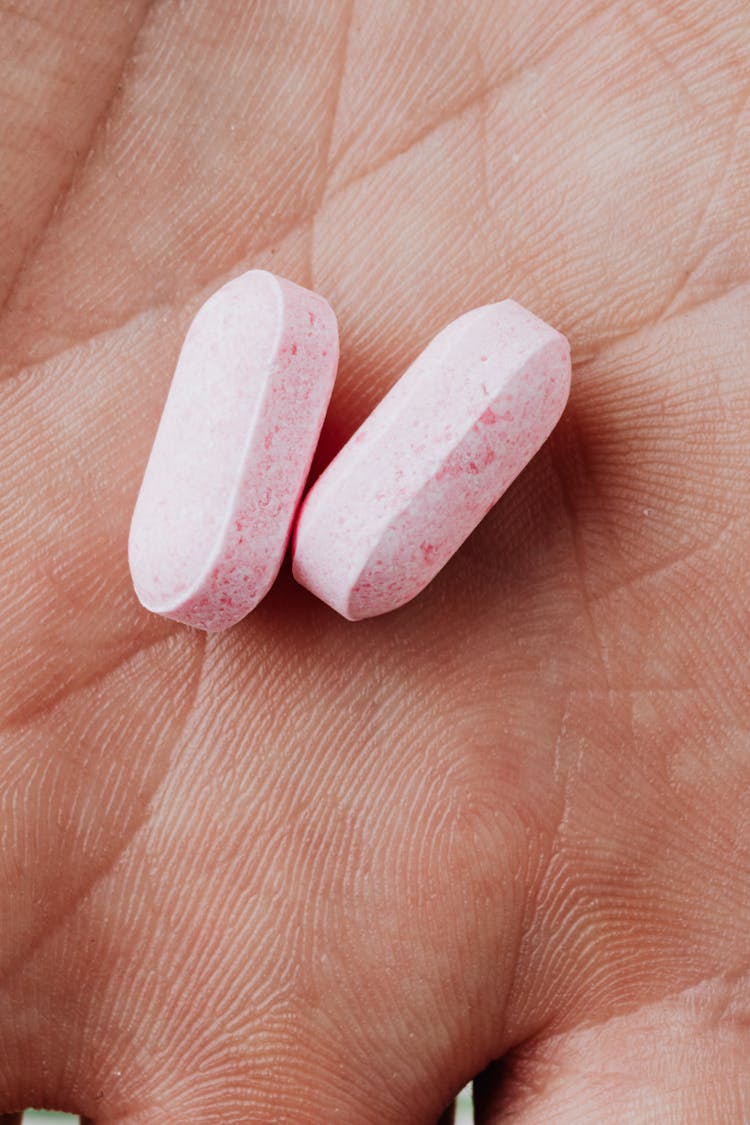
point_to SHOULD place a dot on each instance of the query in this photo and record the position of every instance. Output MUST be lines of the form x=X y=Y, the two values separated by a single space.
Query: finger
x=681 y=1059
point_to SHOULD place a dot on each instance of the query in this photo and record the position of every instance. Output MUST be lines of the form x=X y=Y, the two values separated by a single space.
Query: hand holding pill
x=305 y=869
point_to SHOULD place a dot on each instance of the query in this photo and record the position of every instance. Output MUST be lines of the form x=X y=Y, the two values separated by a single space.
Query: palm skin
x=312 y=870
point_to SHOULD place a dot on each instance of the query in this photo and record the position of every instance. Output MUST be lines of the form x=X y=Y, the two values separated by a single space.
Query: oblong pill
x=436 y=453
x=233 y=450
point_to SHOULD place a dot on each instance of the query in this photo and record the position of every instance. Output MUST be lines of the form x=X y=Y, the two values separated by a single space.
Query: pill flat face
x=232 y=450
x=436 y=453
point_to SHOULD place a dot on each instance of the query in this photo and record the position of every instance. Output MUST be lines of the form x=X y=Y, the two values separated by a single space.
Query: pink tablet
x=432 y=458
x=233 y=450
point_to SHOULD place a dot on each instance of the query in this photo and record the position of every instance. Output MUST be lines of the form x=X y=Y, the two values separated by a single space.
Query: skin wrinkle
x=668 y=565
x=653 y=47
x=298 y=223
x=476 y=99
x=68 y=185
x=12 y=967
x=548 y=854
x=582 y=359
x=347 y=21
x=713 y=194
x=544 y=1034
x=25 y=715
x=482 y=138
x=579 y=554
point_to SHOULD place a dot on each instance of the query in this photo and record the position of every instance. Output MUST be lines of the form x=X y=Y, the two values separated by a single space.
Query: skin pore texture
x=310 y=870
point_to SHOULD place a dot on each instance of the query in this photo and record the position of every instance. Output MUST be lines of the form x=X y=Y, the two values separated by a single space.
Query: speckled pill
x=433 y=457
x=233 y=450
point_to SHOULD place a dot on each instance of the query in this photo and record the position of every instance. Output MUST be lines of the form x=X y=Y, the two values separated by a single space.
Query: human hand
x=311 y=870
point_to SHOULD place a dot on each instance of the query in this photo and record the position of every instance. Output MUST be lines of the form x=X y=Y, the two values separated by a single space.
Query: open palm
x=311 y=870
